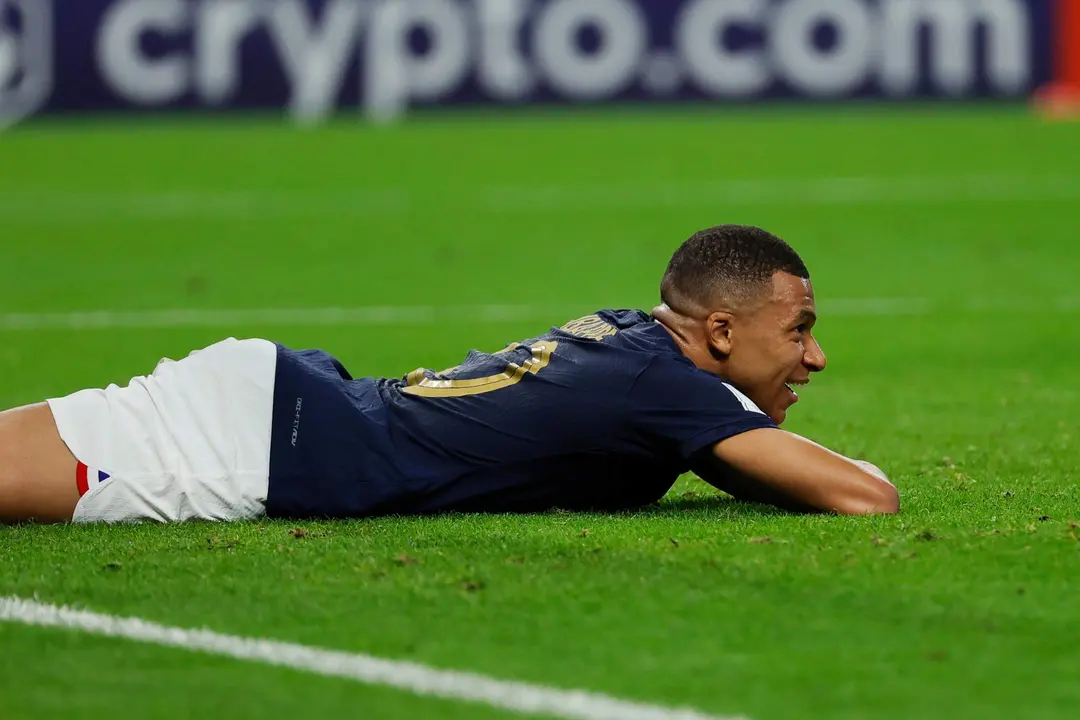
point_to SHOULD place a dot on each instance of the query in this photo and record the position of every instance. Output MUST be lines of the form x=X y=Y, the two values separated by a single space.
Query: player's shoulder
x=632 y=329
x=676 y=378
x=603 y=323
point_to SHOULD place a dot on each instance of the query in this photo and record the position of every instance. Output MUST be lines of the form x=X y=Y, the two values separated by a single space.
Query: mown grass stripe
x=540 y=198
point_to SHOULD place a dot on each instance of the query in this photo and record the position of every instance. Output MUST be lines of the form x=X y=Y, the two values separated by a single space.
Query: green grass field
x=944 y=250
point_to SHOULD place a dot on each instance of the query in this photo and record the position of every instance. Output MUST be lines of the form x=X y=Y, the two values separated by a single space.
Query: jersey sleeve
x=685 y=408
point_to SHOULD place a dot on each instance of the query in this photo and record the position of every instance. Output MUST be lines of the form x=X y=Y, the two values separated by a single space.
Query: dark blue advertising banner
x=312 y=58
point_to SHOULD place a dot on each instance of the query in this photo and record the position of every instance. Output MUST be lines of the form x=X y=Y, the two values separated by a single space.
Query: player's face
x=773 y=348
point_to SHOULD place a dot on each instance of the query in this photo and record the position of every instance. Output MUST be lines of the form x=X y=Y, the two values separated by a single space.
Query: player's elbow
x=871 y=496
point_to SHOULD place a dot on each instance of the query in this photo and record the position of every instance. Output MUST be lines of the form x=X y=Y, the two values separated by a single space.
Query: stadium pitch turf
x=943 y=247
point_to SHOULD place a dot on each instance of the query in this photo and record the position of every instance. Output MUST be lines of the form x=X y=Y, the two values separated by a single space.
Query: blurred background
x=398 y=180
x=380 y=59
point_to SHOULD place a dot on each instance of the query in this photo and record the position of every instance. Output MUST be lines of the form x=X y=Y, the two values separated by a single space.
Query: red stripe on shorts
x=80 y=479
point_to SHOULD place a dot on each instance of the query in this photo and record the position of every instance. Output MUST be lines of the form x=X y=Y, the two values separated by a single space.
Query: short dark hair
x=733 y=262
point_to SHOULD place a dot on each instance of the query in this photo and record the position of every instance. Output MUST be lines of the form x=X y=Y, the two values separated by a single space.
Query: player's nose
x=814 y=357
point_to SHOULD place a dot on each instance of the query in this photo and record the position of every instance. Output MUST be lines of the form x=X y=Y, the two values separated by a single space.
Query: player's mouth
x=790 y=387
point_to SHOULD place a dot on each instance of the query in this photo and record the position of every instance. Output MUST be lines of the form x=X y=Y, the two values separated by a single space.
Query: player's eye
x=801 y=328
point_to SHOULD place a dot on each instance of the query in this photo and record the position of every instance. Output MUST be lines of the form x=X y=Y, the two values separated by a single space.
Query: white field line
x=867 y=190
x=200 y=204
x=353 y=202
x=420 y=315
x=330 y=316
x=413 y=677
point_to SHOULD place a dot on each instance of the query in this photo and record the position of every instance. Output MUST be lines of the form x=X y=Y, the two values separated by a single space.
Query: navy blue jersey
x=602 y=413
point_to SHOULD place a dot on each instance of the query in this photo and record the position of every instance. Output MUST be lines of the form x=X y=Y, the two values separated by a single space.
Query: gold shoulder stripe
x=419 y=384
x=590 y=327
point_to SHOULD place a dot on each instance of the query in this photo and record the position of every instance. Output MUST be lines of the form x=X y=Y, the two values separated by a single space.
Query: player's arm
x=774 y=466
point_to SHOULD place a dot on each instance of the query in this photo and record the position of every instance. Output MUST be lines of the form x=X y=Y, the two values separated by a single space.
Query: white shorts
x=190 y=441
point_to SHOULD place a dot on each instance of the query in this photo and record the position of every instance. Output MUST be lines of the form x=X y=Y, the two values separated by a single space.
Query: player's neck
x=689 y=336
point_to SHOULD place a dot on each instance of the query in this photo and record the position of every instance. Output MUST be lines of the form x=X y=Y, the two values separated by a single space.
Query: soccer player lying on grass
x=602 y=413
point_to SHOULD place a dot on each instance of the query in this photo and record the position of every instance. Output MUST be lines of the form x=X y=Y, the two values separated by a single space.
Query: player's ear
x=718 y=332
